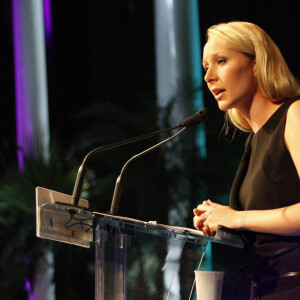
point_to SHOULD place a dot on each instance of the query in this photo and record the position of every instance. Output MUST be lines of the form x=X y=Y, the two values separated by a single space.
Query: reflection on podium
x=134 y=259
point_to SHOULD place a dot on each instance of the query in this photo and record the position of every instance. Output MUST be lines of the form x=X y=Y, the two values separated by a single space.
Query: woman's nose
x=210 y=75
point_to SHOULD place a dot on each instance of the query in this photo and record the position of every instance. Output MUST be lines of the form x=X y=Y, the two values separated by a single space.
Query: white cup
x=209 y=285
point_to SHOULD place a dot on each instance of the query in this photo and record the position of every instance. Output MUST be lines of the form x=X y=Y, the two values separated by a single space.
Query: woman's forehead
x=213 y=48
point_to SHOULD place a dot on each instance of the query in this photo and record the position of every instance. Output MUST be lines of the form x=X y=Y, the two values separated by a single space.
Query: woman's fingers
x=199 y=219
x=206 y=230
x=196 y=212
x=209 y=202
x=201 y=214
x=197 y=223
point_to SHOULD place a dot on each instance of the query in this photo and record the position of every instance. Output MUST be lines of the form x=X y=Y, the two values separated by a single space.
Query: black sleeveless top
x=266 y=179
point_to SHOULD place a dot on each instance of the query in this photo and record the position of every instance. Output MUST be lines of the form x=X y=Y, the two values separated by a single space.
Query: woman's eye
x=221 y=60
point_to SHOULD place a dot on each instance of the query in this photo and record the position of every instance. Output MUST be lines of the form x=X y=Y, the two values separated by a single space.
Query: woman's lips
x=218 y=93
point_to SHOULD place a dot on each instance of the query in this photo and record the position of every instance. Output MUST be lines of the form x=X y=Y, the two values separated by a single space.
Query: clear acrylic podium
x=134 y=259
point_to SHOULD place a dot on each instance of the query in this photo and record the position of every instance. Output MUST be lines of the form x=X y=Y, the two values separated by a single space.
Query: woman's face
x=229 y=76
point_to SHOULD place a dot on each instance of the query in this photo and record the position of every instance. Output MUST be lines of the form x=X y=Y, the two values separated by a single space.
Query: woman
x=250 y=80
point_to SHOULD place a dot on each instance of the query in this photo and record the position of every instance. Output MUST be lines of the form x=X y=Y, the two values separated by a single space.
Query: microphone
x=190 y=121
x=197 y=118
x=118 y=187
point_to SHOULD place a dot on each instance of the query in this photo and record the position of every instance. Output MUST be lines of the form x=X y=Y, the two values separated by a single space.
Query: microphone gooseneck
x=197 y=118
x=118 y=187
x=82 y=169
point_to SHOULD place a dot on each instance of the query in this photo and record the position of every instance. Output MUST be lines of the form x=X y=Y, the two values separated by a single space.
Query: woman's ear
x=254 y=65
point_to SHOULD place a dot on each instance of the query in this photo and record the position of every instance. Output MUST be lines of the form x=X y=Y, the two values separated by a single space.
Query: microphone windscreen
x=197 y=118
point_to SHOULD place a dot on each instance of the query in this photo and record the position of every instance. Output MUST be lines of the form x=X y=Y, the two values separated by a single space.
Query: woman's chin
x=226 y=104
x=223 y=106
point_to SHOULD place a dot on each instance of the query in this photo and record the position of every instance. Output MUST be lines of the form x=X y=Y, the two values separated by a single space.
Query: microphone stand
x=118 y=187
x=197 y=118
x=82 y=169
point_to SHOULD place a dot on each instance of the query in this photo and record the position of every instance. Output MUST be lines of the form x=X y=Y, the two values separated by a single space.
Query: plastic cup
x=209 y=285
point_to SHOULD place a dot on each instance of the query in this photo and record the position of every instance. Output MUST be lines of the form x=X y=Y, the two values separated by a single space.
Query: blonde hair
x=273 y=78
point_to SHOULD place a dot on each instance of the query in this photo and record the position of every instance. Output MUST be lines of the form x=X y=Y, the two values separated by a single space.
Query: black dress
x=266 y=179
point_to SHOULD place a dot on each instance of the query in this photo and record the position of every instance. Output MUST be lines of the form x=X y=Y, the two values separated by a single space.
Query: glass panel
x=64 y=224
x=57 y=220
x=140 y=260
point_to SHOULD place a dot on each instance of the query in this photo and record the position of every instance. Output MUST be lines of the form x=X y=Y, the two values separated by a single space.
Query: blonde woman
x=250 y=80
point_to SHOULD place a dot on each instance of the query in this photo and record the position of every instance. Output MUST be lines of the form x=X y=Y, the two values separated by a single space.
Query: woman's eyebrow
x=214 y=55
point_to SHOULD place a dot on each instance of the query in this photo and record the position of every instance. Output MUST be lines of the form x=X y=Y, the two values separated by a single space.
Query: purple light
x=28 y=289
x=23 y=118
x=48 y=19
x=27 y=285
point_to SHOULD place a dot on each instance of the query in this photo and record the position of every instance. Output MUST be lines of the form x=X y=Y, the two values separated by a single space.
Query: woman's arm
x=282 y=221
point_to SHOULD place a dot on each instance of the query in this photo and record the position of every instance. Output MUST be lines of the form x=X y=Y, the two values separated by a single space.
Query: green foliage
x=20 y=248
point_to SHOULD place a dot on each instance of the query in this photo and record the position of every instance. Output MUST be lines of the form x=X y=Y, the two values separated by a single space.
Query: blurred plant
x=103 y=123
x=21 y=250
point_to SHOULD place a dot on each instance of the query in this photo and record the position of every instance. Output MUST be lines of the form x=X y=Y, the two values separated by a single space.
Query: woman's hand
x=209 y=215
x=280 y=221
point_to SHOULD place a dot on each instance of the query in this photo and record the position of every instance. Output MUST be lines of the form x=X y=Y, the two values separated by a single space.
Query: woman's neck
x=260 y=110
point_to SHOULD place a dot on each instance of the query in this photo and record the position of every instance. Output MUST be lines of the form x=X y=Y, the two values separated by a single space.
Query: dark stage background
x=101 y=84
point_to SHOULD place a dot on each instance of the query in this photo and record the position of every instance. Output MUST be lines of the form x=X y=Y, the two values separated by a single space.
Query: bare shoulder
x=294 y=111
x=292 y=133
x=293 y=120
